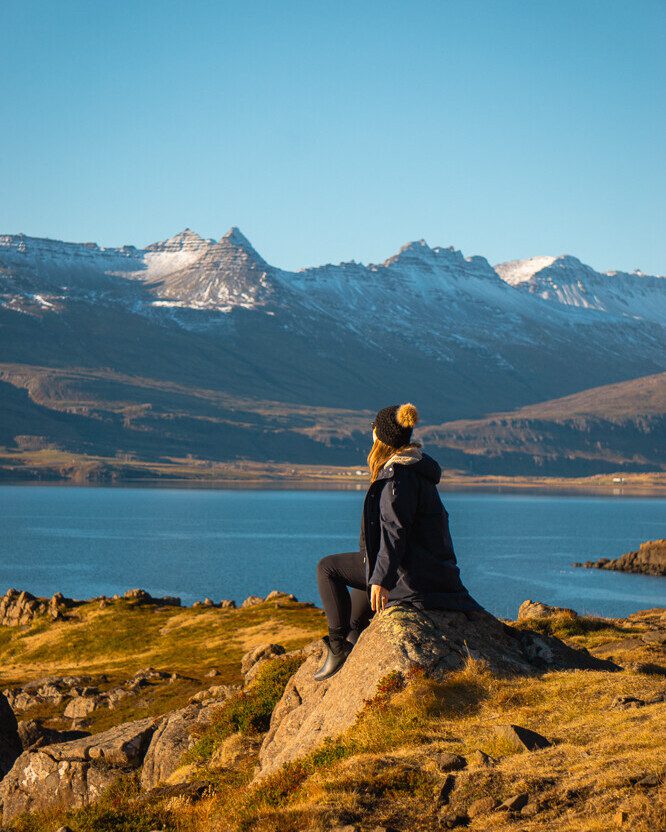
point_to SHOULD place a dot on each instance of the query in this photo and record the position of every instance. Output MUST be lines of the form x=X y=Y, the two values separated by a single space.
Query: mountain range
x=199 y=347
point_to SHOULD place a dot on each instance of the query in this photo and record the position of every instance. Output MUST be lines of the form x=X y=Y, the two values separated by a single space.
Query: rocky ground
x=648 y=559
x=135 y=713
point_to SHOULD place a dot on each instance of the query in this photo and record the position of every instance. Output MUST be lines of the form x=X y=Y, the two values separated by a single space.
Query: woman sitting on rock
x=406 y=553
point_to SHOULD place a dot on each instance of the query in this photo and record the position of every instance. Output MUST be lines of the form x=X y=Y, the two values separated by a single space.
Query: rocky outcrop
x=648 y=559
x=175 y=735
x=252 y=660
x=81 y=695
x=10 y=742
x=73 y=773
x=397 y=641
x=17 y=608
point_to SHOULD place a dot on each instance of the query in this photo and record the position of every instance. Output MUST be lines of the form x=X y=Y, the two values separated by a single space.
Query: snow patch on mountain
x=565 y=281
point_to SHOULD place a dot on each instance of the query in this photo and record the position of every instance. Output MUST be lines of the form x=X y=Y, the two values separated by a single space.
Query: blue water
x=234 y=543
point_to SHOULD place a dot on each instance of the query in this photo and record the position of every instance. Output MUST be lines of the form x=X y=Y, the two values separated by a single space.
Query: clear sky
x=332 y=131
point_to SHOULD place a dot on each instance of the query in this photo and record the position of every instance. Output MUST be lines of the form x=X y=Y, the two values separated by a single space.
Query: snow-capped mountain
x=168 y=344
x=565 y=280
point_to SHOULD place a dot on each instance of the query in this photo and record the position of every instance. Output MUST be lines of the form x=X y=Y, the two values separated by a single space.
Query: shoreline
x=56 y=467
x=589 y=486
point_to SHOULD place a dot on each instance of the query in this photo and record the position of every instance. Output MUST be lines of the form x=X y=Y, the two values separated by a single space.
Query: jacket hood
x=420 y=462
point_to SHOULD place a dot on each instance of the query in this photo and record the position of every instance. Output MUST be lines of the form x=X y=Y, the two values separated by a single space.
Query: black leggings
x=334 y=574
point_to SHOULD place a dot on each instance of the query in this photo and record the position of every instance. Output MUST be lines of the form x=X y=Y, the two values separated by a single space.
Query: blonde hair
x=406 y=416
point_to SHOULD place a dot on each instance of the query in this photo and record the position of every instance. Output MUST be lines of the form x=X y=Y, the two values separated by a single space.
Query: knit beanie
x=394 y=424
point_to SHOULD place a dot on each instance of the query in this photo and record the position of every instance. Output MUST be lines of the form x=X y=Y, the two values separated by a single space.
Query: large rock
x=33 y=734
x=173 y=737
x=536 y=609
x=72 y=774
x=10 y=742
x=254 y=658
x=648 y=559
x=398 y=640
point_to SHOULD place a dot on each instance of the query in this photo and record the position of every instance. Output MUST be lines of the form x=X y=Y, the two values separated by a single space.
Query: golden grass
x=125 y=637
x=384 y=771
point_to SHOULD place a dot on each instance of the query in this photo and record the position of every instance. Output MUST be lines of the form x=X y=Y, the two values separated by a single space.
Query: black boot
x=352 y=636
x=337 y=650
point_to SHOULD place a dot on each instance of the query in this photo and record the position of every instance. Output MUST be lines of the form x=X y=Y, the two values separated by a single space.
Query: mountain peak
x=185 y=240
x=235 y=236
x=235 y=239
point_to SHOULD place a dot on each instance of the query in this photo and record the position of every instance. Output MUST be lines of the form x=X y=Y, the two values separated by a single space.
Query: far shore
x=54 y=467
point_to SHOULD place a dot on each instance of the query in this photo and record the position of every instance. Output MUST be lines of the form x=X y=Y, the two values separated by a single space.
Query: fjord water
x=234 y=543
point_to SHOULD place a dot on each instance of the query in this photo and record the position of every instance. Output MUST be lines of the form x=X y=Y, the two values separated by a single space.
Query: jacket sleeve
x=397 y=507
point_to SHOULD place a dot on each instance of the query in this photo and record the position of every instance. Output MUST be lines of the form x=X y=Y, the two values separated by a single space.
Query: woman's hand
x=378 y=597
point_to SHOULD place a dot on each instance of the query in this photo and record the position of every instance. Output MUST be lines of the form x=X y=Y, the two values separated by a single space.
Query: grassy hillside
x=616 y=427
x=604 y=769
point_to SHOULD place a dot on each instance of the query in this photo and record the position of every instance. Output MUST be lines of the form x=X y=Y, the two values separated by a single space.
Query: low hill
x=617 y=427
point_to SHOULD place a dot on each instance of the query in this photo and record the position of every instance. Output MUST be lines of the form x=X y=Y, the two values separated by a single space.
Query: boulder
x=35 y=735
x=80 y=706
x=72 y=774
x=277 y=595
x=398 y=640
x=252 y=601
x=253 y=658
x=175 y=735
x=535 y=609
x=227 y=604
x=10 y=742
x=140 y=596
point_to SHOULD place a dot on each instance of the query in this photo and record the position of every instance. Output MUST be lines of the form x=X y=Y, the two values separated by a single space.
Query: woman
x=406 y=553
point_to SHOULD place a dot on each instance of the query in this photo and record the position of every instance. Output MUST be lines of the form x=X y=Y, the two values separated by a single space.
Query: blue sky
x=337 y=131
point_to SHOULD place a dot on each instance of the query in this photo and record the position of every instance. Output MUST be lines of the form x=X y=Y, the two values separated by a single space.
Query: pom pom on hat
x=407 y=415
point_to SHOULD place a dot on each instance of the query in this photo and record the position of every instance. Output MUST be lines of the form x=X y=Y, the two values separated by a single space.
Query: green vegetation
x=248 y=711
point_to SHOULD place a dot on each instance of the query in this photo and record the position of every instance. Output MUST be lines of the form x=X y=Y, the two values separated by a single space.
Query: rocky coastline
x=648 y=559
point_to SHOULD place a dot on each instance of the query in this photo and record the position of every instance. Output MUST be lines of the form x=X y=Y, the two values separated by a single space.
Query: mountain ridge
x=189 y=314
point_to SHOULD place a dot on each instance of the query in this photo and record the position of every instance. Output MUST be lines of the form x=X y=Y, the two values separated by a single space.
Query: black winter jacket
x=405 y=539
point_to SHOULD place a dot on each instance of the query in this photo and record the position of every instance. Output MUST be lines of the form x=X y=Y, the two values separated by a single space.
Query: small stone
x=214 y=672
x=514 y=803
x=481 y=806
x=520 y=738
x=443 y=792
x=446 y=761
x=530 y=809
x=451 y=820
x=625 y=702
x=649 y=781
x=483 y=759
x=64 y=829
